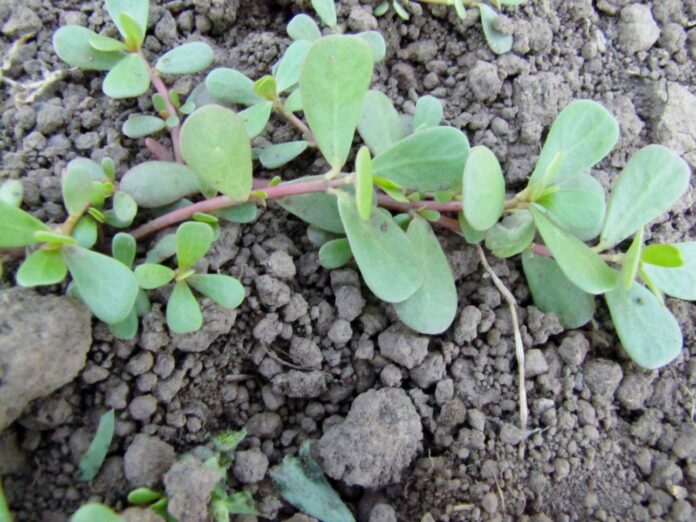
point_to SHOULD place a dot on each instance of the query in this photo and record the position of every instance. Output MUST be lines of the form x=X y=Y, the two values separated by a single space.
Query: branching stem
x=296 y=122
x=174 y=132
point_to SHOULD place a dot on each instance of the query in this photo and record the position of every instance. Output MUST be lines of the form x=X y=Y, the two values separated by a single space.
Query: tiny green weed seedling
x=498 y=41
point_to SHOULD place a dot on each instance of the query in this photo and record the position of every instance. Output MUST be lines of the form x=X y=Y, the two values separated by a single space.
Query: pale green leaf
x=231 y=86
x=382 y=251
x=86 y=232
x=140 y=125
x=667 y=256
x=512 y=235
x=123 y=248
x=17 y=227
x=240 y=503
x=333 y=83
x=128 y=79
x=651 y=182
x=579 y=262
x=96 y=171
x=188 y=58
x=379 y=125
x=93 y=512
x=678 y=282
x=106 y=44
x=42 y=267
x=267 y=87
x=319 y=208
x=499 y=43
x=163 y=249
x=215 y=145
x=326 y=11
x=302 y=27
x=183 y=311
x=376 y=42
x=293 y=103
x=432 y=308
x=12 y=192
x=335 y=253
x=256 y=117
x=192 y=242
x=138 y=9
x=364 y=190
x=471 y=235
x=134 y=34
x=92 y=460
x=319 y=237
x=72 y=45
x=77 y=190
x=428 y=113
x=226 y=291
x=275 y=156
x=483 y=188
x=125 y=207
x=239 y=213
x=157 y=183
x=553 y=292
x=151 y=275
x=54 y=238
x=290 y=65
x=631 y=261
x=648 y=331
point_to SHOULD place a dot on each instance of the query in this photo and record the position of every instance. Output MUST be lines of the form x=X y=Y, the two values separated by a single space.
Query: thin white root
x=519 y=347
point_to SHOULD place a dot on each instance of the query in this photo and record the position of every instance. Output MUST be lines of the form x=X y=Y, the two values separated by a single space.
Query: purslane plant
x=412 y=173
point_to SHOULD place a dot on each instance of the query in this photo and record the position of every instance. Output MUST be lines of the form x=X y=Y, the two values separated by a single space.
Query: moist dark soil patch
x=609 y=441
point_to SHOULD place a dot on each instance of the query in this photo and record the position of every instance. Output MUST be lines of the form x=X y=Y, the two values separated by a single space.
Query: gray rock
x=268 y=329
x=146 y=460
x=476 y=419
x=431 y=370
x=444 y=391
x=217 y=321
x=637 y=28
x=250 y=466
x=135 y=514
x=511 y=434
x=189 y=484
x=305 y=353
x=143 y=407
x=300 y=385
x=50 y=118
x=390 y=376
x=403 y=346
x=466 y=328
x=140 y=363
x=295 y=309
x=484 y=82
x=603 y=377
x=634 y=390
x=489 y=503
x=379 y=438
x=43 y=346
x=382 y=513
x=340 y=332
x=685 y=445
x=349 y=302
x=22 y=21
x=265 y=425
x=573 y=349
x=280 y=264
x=272 y=292
x=535 y=363
x=665 y=473
x=676 y=124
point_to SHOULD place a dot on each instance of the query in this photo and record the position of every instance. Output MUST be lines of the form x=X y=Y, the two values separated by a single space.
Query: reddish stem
x=158 y=150
x=387 y=202
x=174 y=132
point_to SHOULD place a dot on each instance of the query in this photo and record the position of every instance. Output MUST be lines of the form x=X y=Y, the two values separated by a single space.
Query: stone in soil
x=188 y=485
x=403 y=346
x=250 y=466
x=637 y=28
x=147 y=459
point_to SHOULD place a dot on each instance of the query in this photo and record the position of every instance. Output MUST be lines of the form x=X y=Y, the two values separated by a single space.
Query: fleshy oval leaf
x=275 y=156
x=326 y=11
x=364 y=190
x=428 y=113
x=91 y=462
x=42 y=267
x=335 y=253
x=226 y=291
x=379 y=124
x=76 y=186
x=183 y=311
x=128 y=79
x=376 y=42
x=137 y=9
x=302 y=27
x=188 y=58
x=152 y=275
x=679 y=282
x=231 y=86
x=141 y=125
x=500 y=43
x=72 y=45
x=256 y=117
x=483 y=189
x=17 y=227
x=192 y=242
x=290 y=65
x=157 y=183
x=512 y=235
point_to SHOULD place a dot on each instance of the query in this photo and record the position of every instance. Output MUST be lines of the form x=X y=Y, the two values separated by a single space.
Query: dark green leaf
x=290 y=65
x=140 y=125
x=42 y=267
x=92 y=460
x=231 y=86
x=364 y=190
x=157 y=183
x=17 y=227
x=72 y=45
x=512 y=235
x=94 y=512
x=192 y=242
x=483 y=189
x=275 y=156
x=151 y=275
x=379 y=125
x=183 y=311
x=335 y=253
x=678 y=282
x=499 y=43
x=188 y=58
x=128 y=79
x=428 y=113
x=227 y=441
x=225 y=290
x=302 y=27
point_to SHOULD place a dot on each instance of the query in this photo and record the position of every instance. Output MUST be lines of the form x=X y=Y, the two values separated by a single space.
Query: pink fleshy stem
x=158 y=150
x=174 y=132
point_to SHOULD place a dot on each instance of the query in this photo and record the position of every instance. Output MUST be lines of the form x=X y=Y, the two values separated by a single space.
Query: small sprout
x=92 y=460
x=266 y=87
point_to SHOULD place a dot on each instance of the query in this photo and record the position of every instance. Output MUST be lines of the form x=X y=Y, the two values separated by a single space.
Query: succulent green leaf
x=583 y=133
x=382 y=8
x=301 y=482
x=123 y=248
x=553 y=292
x=215 y=145
x=578 y=205
x=239 y=213
x=157 y=183
x=125 y=207
x=432 y=308
x=188 y=58
x=584 y=267
x=326 y=11
x=256 y=117
x=319 y=237
x=232 y=86
x=126 y=329
x=106 y=286
x=42 y=267
x=379 y=125
x=91 y=512
x=400 y=10
x=290 y=65
x=151 y=275
x=335 y=253
x=17 y=227
x=266 y=87
x=430 y=160
x=293 y=103
x=678 y=282
x=302 y=27
x=143 y=496
x=96 y=171
x=471 y=235
x=667 y=256
x=648 y=331
x=192 y=242
x=500 y=43
x=382 y=251
x=85 y=232
x=137 y=9
x=134 y=33
x=12 y=192
x=376 y=42
x=77 y=190
x=483 y=188
x=651 y=182
x=128 y=79
x=631 y=261
x=319 y=209
x=92 y=460
x=333 y=83
x=140 y=125
x=428 y=113
x=512 y=235
x=239 y=503
x=183 y=311
x=106 y=44
x=163 y=249
x=54 y=238
x=275 y=156
x=226 y=291
x=72 y=45
x=364 y=189
x=460 y=9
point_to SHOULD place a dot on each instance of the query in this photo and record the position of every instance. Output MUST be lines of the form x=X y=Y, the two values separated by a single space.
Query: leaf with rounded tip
x=648 y=331
x=483 y=188
x=106 y=44
x=293 y=103
x=430 y=160
x=578 y=205
x=95 y=170
x=302 y=27
x=667 y=256
x=192 y=242
x=215 y=145
x=631 y=261
x=376 y=42
x=12 y=192
x=92 y=460
x=93 y=511
x=226 y=291
x=471 y=235
x=231 y=86
x=364 y=189
x=106 y=286
x=319 y=237
x=266 y=86
x=124 y=206
x=256 y=117
x=183 y=311
x=583 y=266
x=318 y=208
x=335 y=253
x=679 y=282
x=76 y=186
x=428 y=113
x=379 y=125
x=143 y=496
x=85 y=232
x=239 y=213
x=188 y=58
x=54 y=238
x=333 y=83
x=152 y=275
x=290 y=65
x=137 y=9
x=123 y=248
x=651 y=182
x=554 y=293
x=512 y=235
x=432 y=308
x=383 y=252
x=326 y=11
x=163 y=249
x=157 y=183
x=130 y=78
x=499 y=43
x=134 y=33
x=275 y=156
x=583 y=133
x=126 y=329
x=72 y=45
x=42 y=267
x=140 y=125
x=17 y=227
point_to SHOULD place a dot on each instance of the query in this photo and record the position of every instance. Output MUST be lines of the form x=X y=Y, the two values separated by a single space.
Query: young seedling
x=498 y=41
x=92 y=460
